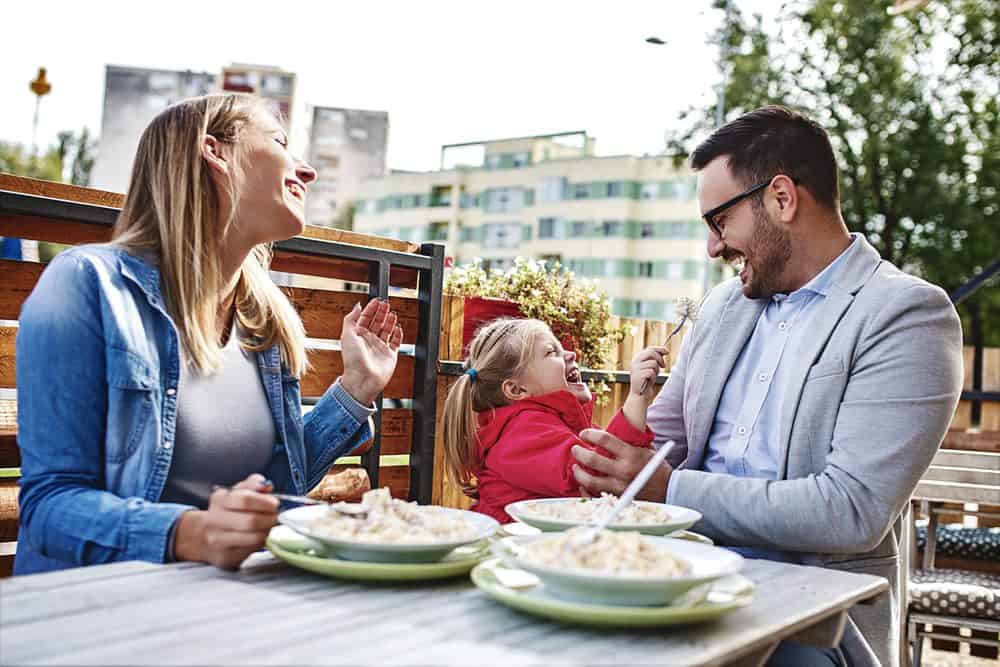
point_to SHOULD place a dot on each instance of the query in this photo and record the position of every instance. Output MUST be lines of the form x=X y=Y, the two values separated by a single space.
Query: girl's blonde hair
x=172 y=210
x=500 y=350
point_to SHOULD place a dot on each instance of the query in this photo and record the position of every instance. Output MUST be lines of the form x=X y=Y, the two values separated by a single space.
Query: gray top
x=225 y=430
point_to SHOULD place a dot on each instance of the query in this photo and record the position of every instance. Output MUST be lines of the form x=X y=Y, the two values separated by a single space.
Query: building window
x=441 y=195
x=504 y=200
x=612 y=228
x=546 y=228
x=501 y=235
x=552 y=189
x=675 y=270
x=498 y=263
x=521 y=159
x=581 y=191
x=649 y=191
x=492 y=161
x=616 y=189
x=437 y=231
x=579 y=229
x=647 y=230
x=551 y=260
x=645 y=269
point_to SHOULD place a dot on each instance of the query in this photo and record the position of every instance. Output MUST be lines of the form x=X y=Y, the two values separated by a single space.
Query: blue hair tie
x=472 y=373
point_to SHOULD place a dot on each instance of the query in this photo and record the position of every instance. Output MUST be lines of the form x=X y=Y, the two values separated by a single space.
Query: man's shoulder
x=891 y=285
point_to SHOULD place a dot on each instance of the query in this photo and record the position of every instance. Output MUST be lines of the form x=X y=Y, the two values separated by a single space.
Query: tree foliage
x=70 y=159
x=911 y=105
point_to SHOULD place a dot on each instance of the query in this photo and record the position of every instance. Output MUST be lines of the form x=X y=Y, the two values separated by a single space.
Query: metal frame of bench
x=953 y=477
x=428 y=265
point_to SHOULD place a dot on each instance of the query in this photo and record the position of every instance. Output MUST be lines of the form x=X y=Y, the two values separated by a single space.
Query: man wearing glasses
x=813 y=390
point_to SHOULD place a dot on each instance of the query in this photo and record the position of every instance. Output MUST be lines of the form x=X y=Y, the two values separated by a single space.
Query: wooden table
x=271 y=613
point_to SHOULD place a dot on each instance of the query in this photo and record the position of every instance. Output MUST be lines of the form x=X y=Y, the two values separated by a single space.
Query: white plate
x=681 y=518
x=300 y=519
x=707 y=564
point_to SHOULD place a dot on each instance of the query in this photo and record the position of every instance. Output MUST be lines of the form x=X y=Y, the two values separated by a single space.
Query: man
x=815 y=387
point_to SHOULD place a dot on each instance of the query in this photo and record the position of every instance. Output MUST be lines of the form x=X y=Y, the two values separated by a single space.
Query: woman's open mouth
x=573 y=375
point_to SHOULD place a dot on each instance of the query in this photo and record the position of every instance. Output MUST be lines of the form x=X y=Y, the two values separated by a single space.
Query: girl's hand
x=235 y=525
x=369 y=346
x=645 y=367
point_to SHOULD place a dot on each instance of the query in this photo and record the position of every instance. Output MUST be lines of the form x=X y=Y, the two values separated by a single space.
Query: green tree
x=910 y=102
x=69 y=159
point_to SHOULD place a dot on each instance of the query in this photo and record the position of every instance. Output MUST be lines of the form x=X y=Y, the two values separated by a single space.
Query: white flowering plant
x=576 y=310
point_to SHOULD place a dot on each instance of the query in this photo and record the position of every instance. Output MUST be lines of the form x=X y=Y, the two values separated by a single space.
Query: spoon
x=590 y=534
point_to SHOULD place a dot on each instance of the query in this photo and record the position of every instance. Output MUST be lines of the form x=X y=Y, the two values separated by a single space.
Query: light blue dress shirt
x=744 y=441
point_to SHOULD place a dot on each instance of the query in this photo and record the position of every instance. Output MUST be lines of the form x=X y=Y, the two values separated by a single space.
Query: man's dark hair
x=775 y=140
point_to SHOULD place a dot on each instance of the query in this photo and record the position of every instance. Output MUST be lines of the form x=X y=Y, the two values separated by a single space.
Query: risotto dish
x=584 y=510
x=612 y=553
x=393 y=521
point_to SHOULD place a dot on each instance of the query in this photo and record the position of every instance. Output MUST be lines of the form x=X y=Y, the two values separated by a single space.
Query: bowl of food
x=618 y=567
x=383 y=529
x=554 y=514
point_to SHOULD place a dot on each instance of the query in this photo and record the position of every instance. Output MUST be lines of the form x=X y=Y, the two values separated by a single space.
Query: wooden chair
x=947 y=600
x=401 y=454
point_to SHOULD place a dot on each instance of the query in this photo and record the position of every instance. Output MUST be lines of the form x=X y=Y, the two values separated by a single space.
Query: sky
x=447 y=72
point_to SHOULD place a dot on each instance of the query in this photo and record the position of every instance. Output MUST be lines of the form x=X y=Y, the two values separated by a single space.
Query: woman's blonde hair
x=172 y=210
x=500 y=350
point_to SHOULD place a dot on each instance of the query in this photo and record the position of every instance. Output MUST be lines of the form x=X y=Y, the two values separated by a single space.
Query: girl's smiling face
x=552 y=368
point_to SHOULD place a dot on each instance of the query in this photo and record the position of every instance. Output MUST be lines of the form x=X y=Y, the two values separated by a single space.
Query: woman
x=166 y=363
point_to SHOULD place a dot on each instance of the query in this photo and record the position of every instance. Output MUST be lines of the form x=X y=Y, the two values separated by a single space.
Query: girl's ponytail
x=461 y=442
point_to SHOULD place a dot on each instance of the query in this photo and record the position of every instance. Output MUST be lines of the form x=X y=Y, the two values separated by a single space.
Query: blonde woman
x=163 y=364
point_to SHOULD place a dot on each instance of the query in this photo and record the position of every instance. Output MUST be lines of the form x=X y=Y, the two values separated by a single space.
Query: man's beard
x=768 y=252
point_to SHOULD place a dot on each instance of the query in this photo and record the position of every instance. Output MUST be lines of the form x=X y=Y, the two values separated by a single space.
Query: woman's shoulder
x=83 y=276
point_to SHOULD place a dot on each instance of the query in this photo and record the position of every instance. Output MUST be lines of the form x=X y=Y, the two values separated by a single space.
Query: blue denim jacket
x=97 y=369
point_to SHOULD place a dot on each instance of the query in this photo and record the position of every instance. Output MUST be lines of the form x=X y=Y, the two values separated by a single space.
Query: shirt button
x=171 y=391
x=742 y=430
x=762 y=377
x=166 y=444
x=783 y=325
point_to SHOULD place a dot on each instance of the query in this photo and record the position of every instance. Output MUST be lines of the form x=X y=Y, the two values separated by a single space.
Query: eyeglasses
x=710 y=215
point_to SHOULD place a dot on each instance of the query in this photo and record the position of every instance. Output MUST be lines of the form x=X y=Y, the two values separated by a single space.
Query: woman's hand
x=369 y=345
x=235 y=525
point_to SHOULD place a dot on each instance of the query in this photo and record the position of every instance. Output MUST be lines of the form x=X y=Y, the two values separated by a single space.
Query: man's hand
x=369 y=346
x=235 y=525
x=620 y=470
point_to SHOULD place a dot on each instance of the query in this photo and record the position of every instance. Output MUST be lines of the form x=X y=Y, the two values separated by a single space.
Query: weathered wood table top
x=271 y=613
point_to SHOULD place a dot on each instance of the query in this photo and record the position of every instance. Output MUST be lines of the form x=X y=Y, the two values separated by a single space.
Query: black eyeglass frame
x=709 y=215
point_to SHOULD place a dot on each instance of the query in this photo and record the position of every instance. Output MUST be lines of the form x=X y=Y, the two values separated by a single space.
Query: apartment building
x=630 y=223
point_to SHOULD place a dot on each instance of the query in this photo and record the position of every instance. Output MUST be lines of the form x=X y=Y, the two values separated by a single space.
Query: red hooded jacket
x=525 y=449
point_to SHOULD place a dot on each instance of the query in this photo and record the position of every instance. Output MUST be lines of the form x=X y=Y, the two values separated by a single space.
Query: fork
x=350 y=509
x=589 y=535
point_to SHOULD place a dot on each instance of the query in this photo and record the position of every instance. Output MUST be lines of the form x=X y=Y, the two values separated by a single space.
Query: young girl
x=511 y=420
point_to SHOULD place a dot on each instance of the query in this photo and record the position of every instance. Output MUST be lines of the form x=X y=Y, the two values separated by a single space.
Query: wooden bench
x=400 y=455
x=947 y=600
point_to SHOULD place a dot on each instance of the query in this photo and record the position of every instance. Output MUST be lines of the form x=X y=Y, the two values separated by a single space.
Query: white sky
x=446 y=71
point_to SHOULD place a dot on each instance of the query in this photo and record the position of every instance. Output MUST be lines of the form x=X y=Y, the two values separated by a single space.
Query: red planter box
x=479 y=311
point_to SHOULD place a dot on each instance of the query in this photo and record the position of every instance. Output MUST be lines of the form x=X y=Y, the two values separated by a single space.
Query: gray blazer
x=873 y=396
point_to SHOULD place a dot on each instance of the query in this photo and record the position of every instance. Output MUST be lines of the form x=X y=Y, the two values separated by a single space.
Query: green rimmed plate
x=716 y=599
x=303 y=553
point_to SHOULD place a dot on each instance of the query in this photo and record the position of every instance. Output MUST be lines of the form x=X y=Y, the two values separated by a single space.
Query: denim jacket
x=98 y=364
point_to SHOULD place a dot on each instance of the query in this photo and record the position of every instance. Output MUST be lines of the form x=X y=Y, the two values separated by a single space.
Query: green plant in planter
x=577 y=311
